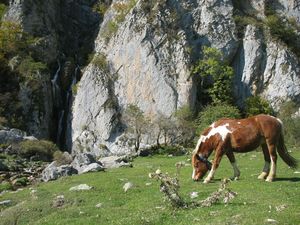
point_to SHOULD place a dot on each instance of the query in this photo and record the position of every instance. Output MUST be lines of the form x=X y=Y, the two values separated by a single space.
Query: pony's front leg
x=215 y=165
x=236 y=171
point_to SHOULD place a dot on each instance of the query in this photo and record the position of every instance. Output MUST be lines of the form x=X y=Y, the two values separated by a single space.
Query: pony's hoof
x=262 y=176
x=206 y=181
x=234 y=178
x=269 y=179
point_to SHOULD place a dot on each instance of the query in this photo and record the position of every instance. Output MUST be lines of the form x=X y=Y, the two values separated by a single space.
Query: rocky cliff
x=143 y=55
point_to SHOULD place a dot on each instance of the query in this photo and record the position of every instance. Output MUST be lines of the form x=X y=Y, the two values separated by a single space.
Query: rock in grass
x=53 y=172
x=6 y=202
x=271 y=221
x=127 y=186
x=58 y=201
x=99 y=205
x=194 y=194
x=81 y=187
x=94 y=167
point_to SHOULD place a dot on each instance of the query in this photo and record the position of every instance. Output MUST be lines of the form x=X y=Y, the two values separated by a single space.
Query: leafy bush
x=212 y=66
x=100 y=61
x=42 y=149
x=255 y=105
x=214 y=112
x=5 y=186
x=2 y=10
x=61 y=158
x=291 y=124
x=284 y=31
x=121 y=9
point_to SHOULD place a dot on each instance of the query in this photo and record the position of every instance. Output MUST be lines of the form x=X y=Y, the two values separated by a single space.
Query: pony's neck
x=206 y=150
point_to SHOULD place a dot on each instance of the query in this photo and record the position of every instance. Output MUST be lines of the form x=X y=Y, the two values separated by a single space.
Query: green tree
x=255 y=105
x=212 y=113
x=291 y=122
x=163 y=125
x=136 y=123
x=214 y=67
x=185 y=125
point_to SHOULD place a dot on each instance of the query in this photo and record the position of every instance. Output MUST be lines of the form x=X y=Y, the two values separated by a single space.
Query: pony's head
x=200 y=166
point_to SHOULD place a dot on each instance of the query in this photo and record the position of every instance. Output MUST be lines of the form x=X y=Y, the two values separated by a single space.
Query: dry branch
x=170 y=187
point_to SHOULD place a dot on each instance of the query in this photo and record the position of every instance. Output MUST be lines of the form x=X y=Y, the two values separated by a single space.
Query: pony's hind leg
x=273 y=156
x=236 y=171
x=266 y=168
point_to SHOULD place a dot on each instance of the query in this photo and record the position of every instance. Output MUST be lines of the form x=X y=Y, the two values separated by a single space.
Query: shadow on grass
x=291 y=179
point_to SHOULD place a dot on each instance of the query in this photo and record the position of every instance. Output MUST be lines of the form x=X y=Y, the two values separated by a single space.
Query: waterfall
x=56 y=92
x=60 y=126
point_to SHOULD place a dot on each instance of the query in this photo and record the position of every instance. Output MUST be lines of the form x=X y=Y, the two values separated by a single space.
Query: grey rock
x=11 y=135
x=53 y=172
x=127 y=186
x=93 y=167
x=58 y=201
x=5 y=202
x=115 y=162
x=82 y=160
x=81 y=187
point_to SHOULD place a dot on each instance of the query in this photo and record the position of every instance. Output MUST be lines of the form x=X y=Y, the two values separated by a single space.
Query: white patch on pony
x=221 y=130
x=239 y=122
x=212 y=126
x=279 y=120
x=193 y=175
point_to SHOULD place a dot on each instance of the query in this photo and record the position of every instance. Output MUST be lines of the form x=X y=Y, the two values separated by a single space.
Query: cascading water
x=63 y=83
x=60 y=126
x=56 y=92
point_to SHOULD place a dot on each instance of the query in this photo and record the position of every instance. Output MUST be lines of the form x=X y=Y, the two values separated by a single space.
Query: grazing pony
x=227 y=136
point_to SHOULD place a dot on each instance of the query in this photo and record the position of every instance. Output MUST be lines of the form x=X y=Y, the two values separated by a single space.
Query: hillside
x=72 y=68
x=257 y=202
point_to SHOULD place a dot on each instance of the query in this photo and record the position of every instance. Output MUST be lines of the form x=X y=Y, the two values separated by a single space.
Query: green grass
x=256 y=201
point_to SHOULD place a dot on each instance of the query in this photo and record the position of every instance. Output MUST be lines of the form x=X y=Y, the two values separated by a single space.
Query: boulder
x=93 y=167
x=81 y=187
x=115 y=162
x=11 y=135
x=53 y=172
x=81 y=161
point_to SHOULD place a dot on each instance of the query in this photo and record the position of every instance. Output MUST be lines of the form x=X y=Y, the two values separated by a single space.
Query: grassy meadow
x=257 y=202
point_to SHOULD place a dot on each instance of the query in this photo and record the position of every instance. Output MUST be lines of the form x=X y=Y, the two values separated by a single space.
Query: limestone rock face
x=270 y=69
x=149 y=66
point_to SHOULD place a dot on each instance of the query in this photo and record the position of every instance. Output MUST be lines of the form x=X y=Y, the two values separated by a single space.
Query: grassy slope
x=256 y=201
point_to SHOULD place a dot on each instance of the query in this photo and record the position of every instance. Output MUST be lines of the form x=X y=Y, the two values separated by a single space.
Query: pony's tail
x=283 y=153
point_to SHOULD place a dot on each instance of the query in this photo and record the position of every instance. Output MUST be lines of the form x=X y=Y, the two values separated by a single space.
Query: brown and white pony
x=227 y=136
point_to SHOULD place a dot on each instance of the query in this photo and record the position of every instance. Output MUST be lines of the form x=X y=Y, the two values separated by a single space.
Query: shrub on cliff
x=212 y=113
x=291 y=122
x=216 y=74
x=256 y=105
x=41 y=150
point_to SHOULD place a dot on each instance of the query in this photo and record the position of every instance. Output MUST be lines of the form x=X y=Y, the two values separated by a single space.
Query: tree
x=212 y=113
x=185 y=125
x=163 y=127
x=255 y=105
x=136 y=123
x=212 y=66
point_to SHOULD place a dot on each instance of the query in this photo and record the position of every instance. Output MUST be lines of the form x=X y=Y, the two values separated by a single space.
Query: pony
x=227 y=136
